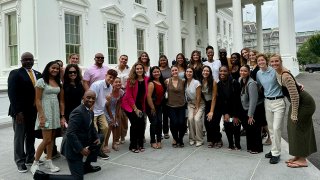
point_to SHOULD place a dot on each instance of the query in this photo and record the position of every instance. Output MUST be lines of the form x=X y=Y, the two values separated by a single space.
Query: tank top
x=176 y=95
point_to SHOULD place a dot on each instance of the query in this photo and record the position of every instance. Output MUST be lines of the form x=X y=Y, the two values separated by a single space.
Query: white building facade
x=52 y=29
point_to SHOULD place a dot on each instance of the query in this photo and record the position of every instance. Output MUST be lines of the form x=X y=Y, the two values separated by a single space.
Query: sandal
x=142 y=149
x=159 y=145
x=134 y=150
x=291 y=160
x=115 y=147
x=219 y=144
x=210 y=145
x=154 y=146
x=106 y=150
x=296 y=165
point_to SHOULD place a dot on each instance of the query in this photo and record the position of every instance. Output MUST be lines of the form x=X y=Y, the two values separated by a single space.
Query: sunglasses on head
x=72 y=72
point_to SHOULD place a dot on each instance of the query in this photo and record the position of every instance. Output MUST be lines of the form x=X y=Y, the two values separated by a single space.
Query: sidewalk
x=171 y=163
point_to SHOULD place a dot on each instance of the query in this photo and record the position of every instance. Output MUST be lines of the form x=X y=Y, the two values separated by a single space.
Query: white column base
x=291 y=63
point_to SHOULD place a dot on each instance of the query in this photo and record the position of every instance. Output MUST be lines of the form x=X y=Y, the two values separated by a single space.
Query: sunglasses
x=99 y=57
x=72 y=72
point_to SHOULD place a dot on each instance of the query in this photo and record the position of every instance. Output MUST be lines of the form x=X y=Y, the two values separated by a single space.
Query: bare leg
x=47 y=138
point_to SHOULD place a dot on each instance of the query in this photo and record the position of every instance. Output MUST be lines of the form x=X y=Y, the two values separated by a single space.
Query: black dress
x=72 y=97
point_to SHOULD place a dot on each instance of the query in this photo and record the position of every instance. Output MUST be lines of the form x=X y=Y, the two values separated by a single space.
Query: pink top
x=130 y=96
x=94 y=73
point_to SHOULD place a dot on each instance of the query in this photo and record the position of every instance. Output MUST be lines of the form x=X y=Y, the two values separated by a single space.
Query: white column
x=176 y=27
x=259 y=26
x=286 y=37
x=191 y=27
x=237 y=26
x=212 y=25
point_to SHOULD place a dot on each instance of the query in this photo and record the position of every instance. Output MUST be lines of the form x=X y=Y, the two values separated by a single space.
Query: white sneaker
x=34 y=168
x=191 y=143
x=49 y=165
x=199 y=144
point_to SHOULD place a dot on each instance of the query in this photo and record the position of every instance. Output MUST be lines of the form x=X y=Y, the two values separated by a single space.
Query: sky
x=307 y=14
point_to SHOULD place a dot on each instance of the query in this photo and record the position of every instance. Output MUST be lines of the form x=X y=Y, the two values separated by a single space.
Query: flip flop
x=296 y=165
x=290 y=160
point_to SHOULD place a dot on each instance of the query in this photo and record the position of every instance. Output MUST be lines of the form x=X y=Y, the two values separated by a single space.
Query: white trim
x=142 y=18
x=162 y=24
x=113 y=10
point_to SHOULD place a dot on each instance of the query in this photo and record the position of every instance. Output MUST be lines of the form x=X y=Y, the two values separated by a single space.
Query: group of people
x=246 y=90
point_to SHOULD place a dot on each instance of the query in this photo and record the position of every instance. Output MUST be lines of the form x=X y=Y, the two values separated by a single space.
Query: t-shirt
x=215 y=65
x=191 y=91
x=95 y=73
x=102 y=90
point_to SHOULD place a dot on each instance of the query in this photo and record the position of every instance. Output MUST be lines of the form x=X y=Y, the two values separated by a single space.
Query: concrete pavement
x=171 y=163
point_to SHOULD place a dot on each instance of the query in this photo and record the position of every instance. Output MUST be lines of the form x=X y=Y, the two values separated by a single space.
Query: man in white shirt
x=213 y=64
x=102 y=88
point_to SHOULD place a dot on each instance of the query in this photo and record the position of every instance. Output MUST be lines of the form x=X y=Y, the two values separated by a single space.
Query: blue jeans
x=177 y=117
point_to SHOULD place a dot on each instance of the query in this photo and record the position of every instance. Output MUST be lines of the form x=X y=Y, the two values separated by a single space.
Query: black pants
x=165 y=117
x=137 y=129
x=177 y=123
x=253 y=132
x=155 y=125
x=233 y=131
x=24 y=138
x=213 y=126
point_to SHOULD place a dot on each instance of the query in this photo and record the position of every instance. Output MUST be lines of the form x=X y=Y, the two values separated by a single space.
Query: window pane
x=160 y=5
x=161 y=44
x=12 y=39
x=112 y=43
x=181 y=10
x=72 y=34
x=140 y=41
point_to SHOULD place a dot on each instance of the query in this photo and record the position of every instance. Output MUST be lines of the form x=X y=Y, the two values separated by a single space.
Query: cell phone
x=230 y=119
x=140 y=114
x=46 y=125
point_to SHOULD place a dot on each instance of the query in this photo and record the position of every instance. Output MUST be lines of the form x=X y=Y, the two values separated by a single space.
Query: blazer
x=129 y=98
x=21 y=92
x=80 y=133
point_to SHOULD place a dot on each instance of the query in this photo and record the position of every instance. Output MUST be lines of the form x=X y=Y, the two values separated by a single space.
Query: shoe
x=49 y=165
x=181 y=145
x=34 y=168
x=191 y=143
x=29 y=163
x=22 y=168
x=166 y=136
x=198 y=144
x=122 y=141
x=274 y=159
x=268 y=155
x=103 y=156
x=91 y=169
x=40 y=175
x=56 y=155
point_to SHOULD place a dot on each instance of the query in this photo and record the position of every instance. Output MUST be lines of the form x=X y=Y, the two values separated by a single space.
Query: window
x=72 y=34
x=160 y=5
x=218 y=25
x=181 y=10
x=12 y=39
x=183 y=44
x=140 y=41
x=112 y=43
x=195 y=15
x=224 y=28
x=230 y=30
x=161 y=44
x=138 y=1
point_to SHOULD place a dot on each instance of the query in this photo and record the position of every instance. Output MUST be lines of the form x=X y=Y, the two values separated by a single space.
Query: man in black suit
x=23 y=111
x=82 y=139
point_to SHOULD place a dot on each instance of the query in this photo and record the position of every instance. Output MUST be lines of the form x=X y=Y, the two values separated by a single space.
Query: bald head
x=99 y=58
x=27 y=60
x=89 y=98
